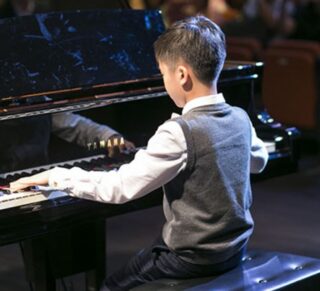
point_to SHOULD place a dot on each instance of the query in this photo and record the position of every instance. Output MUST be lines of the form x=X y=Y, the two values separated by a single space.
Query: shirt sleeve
x=79 y=129
x=164 y=157
x=259 y=153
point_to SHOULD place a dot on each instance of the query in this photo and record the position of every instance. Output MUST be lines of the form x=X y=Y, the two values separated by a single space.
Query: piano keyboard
x=27 y=197
x=91 y=163
x=67 y=164
x=97 y=162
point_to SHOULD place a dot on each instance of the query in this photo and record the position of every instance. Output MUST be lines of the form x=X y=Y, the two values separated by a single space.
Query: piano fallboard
x=60 y=214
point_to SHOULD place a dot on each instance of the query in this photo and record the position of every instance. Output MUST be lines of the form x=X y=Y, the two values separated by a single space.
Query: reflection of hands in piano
x=115 y=146
x=23 y=183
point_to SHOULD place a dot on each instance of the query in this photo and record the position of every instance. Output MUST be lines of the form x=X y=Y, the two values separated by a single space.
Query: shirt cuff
x=59 y=178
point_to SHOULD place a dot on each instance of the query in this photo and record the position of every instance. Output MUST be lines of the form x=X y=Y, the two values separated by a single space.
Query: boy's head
x=196 y=41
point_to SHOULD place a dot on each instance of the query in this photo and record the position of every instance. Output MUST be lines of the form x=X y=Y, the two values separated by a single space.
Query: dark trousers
x=158 y=262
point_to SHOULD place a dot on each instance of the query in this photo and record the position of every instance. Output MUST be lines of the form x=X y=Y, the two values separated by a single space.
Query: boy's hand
x=22 y=183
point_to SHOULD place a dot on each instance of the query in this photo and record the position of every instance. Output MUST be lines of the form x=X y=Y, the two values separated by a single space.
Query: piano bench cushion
x=261 y=270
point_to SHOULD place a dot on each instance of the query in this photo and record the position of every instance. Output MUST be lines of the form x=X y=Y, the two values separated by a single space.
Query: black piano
x=99 y=64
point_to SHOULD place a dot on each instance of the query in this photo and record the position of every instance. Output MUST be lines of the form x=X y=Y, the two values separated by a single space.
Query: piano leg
x=95 y=276
x=37 y=266
x=65 y=253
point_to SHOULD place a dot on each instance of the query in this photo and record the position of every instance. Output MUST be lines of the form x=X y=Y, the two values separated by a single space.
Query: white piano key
x=27 y=197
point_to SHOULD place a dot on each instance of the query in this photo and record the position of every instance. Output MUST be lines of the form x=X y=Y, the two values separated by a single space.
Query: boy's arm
x=164 y=157
x=151 y=168
x=259 y=153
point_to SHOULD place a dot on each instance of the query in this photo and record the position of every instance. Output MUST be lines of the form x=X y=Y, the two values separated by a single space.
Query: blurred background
x=298 y=19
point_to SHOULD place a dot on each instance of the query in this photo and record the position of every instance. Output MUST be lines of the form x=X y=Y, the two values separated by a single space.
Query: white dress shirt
x=163 y=159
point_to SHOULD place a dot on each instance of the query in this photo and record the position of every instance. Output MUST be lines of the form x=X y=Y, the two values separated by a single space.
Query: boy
x=203 y=158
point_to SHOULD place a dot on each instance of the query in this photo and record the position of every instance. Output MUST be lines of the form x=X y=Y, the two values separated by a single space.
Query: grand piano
x=99 y=64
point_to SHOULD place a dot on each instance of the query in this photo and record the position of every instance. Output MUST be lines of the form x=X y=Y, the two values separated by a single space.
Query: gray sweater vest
x=207 y=205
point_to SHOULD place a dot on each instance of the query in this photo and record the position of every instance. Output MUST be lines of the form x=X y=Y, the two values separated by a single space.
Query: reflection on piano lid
x=72 y=61
x=77 y=60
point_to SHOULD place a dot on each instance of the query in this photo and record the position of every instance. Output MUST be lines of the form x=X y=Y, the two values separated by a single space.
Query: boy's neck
x=201 y=90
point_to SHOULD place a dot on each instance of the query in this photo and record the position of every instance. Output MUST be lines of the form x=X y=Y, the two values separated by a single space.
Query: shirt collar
x=203 y=101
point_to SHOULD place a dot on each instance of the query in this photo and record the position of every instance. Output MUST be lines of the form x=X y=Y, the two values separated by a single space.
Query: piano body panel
x=62 y=214
x=65 y=236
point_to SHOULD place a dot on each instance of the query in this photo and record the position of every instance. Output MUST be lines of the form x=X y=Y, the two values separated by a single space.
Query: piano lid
x=49 y=61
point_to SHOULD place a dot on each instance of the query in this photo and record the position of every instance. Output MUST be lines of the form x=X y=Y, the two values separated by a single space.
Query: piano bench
x=261 y=270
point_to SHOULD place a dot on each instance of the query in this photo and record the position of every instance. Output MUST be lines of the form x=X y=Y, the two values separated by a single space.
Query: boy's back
x=207 y=205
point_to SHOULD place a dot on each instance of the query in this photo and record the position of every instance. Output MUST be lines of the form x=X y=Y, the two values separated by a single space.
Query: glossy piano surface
x=83 y=61
x=50 y=61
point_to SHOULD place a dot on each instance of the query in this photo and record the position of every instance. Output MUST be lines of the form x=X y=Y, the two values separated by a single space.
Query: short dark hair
x=199 y=42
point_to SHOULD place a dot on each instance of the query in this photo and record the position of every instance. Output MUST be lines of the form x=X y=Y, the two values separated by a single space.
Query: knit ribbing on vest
x=207 y=205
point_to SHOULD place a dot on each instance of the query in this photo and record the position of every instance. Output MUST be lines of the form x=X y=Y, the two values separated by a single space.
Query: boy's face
x=172 y=83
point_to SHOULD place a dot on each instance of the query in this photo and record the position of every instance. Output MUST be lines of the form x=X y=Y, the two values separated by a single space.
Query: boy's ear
x=183 y=75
